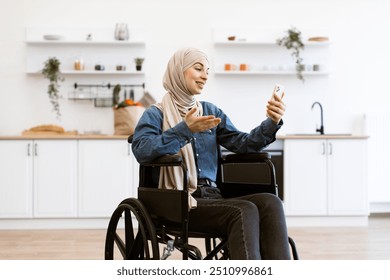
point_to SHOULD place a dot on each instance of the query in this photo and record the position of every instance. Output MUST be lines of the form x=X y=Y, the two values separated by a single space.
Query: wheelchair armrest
x=246 y=158
x=147 y=170
x=234 y=189
x=166 y=160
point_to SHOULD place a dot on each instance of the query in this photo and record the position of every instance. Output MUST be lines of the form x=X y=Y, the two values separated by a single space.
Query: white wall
x=359 y=57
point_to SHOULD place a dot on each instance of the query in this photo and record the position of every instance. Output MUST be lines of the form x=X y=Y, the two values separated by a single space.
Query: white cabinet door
x=16 y=179
x=305 y=178
x=326 y=177
x=347 y=171
x=55 y=178
x=105 y=176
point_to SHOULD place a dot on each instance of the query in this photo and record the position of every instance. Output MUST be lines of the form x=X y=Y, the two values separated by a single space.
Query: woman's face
x=196 y=77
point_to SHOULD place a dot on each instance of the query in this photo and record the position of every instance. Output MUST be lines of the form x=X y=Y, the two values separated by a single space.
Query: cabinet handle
x=128 y=150
x=28 y=149
x=35 y=149
x=330 y=149
x=323 y=148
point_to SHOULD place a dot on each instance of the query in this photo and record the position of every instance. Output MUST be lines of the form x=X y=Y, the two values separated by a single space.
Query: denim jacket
x=150 y=142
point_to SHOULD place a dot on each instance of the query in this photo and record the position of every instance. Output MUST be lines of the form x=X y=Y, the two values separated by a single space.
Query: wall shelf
x=267 y=43
x=259 y=51
x=72 y=44
x=85 y=42
x=84 y=48
x=93 y=72
x=248 y=73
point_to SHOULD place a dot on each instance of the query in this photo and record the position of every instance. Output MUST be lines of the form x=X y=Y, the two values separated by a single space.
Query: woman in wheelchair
x=254 y=224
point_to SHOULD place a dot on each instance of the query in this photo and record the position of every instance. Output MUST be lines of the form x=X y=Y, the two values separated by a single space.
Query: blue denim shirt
x=150 y=142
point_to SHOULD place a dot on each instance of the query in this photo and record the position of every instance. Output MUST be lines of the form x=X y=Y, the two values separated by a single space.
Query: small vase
x=121 y=32
x=138 y=67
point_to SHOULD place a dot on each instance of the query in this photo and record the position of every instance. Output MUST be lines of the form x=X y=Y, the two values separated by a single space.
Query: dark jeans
x=254 y=224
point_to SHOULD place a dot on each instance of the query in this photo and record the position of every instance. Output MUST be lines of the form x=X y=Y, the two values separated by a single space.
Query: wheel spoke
x=120 y=244
x=129 y=231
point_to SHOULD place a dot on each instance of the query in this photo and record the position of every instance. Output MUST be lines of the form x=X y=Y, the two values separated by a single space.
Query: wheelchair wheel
x=131 y=234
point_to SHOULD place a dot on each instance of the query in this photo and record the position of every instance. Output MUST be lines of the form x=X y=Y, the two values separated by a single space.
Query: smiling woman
x=196 y=77
x=182 y=125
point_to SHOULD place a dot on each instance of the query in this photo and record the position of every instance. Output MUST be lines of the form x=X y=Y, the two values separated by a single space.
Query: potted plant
x=293 y=41
x=51 y=71
x=138 y=63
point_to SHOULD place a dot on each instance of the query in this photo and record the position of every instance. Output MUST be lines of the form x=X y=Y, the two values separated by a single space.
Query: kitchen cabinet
x=16 y=182
x=105 y=176
x=325 y=177
x=55 y=178
x=258 y=50
x=70 y=183
x=38 y=178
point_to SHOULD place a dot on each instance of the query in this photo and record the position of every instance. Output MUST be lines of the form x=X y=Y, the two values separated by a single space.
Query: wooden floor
x=335 y=243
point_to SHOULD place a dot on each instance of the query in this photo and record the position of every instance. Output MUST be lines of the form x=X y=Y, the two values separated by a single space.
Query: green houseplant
x=293 y=41
x=138 y=63
x=51 y=71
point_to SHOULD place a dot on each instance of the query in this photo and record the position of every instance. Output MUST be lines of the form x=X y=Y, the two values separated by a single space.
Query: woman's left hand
x=198 y=124
x=276 y=108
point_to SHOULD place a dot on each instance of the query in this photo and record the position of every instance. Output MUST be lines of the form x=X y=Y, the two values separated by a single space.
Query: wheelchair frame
x=154 y=219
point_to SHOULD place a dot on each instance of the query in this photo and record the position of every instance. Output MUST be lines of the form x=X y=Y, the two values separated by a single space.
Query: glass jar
x=79 y=64
x=121 y=32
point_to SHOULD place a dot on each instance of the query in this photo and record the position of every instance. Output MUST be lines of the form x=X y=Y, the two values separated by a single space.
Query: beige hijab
x=175 y=104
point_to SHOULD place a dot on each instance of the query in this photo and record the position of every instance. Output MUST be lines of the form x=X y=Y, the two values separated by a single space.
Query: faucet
x=321 y=129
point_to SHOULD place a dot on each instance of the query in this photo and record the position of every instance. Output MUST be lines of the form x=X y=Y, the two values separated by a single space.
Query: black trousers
x=255 y=225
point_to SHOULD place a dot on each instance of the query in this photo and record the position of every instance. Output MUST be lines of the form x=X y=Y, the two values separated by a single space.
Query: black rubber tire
x=139 y=241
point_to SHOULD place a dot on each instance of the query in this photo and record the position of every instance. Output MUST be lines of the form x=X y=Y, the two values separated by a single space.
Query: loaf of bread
x=48 y=127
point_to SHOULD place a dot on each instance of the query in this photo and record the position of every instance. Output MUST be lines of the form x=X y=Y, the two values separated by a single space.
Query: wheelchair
x=157 y=220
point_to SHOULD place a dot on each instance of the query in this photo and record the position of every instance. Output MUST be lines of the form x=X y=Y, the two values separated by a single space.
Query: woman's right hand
x=202 y=123
x=276 y=108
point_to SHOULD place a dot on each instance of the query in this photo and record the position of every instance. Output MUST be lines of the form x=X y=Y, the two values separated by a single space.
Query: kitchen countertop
x=319 y=136
x=63 y=136
x=105 y=136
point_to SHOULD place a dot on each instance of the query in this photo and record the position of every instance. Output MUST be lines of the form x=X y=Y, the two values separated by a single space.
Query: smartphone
x=278 y=90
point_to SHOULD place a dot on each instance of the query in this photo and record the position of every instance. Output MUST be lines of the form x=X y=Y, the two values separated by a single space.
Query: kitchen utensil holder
x=100 y=100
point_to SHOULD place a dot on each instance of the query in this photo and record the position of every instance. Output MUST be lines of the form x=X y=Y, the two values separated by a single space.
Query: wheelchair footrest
x=168 y=249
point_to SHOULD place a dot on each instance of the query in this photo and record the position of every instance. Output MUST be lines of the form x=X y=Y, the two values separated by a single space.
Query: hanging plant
x=51 y=71
x=293 y=41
